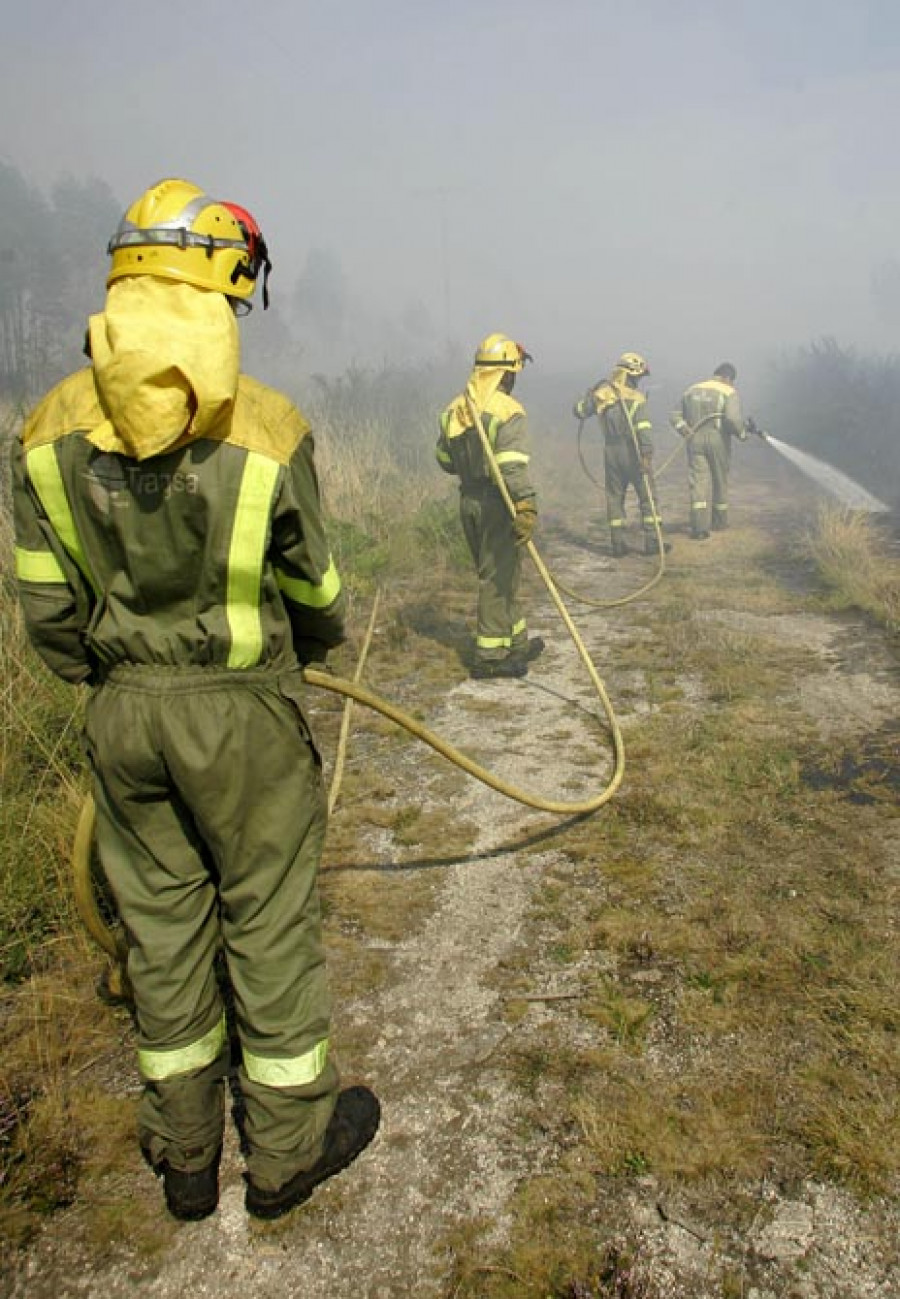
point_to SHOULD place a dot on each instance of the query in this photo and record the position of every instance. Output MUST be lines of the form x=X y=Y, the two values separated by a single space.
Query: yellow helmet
x=178 y=232
x=633 y=363
x=501 y=352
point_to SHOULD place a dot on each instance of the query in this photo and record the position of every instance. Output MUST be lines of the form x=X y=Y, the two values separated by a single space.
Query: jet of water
x=838 y=484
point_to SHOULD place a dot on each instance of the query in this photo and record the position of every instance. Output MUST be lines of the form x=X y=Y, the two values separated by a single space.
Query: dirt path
x=450 y=1148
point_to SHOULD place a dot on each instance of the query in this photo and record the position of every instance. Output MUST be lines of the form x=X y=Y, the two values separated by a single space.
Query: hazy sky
x=696 y=179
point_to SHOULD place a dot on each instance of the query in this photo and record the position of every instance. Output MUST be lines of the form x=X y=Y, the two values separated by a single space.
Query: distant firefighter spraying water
x=710 y=416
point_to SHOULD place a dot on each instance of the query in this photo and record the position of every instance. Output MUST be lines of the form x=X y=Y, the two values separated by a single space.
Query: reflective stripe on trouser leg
x=519 y=634
x=182 y=1108
x=181 y=1119
x=489 y=533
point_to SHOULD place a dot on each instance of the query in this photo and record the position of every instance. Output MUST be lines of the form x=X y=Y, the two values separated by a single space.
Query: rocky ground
x=431 y=1036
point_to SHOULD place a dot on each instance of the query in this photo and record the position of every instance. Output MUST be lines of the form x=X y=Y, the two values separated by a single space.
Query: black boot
x=511 y=666
x=351 y=1127
x=190 y=1196
x=619 y=549
x=528 y=650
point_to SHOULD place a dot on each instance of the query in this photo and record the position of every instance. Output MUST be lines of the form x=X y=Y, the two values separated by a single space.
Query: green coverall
x=186 y=589
x=715 y=406
x=624 y=419
x=486 y=521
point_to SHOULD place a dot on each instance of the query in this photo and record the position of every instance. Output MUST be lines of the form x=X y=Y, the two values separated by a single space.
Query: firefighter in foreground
x=170 y=554
x=621 y=408
x=713 y=408
x=495 y=538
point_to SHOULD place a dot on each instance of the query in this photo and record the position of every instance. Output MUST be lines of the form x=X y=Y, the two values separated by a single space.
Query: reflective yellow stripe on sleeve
x=43 y=470
x=293 y=1071
x=313 y=595
x=156 y=1066
x=512 y=458
x=39 y=566
x=246 y=557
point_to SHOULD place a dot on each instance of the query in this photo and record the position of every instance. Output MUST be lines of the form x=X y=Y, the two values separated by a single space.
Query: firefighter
x=712 y=408
x=621 y=409
x=495 y=539
x=171 y=556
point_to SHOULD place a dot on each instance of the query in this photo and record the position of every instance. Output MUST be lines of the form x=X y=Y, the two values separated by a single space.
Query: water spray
x=838 y=484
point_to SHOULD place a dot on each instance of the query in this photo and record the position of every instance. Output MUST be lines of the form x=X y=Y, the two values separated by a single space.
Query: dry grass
x=847 y=553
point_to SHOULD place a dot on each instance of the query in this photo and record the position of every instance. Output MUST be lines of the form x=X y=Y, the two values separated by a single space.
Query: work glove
x=679 y=423
x=525 y=520
x=646 y=462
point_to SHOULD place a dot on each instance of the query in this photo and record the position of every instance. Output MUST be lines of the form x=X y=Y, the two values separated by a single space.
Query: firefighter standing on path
x=170 y=554
x=713 y=408
x=495 y=539
x=621 y=409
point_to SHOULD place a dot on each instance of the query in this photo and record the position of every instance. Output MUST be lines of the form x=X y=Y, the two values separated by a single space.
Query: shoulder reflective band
x=246 y=556
x=39 y=566
x=294 y=1071
x=156 y=1066
x=313 y=595
x=716 y=385
x=43 y=470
